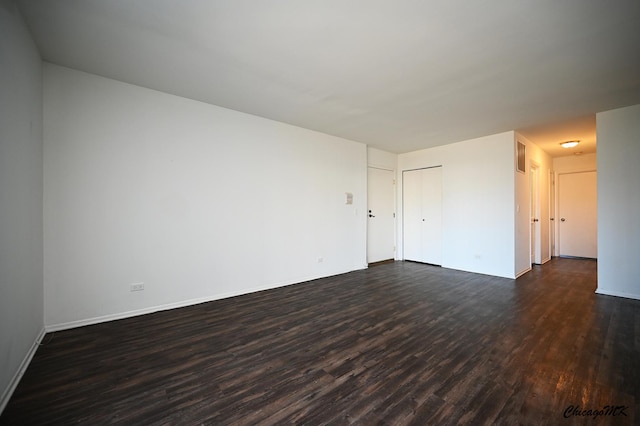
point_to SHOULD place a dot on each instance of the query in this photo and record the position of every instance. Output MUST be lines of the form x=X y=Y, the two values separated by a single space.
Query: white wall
x=575 y=163
x=382 y=159
x=478 y=202
x=523 y=201
x=618 y=134
x=196 y=201
x=21 y=293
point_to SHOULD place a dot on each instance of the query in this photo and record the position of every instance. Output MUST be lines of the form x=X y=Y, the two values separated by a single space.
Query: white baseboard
x=618 y=294
x=181 y=304
x=128 y=314
x=13 y=384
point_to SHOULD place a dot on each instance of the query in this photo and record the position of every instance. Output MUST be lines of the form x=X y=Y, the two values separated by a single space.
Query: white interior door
x=381 y=215
x=534 y=174
x=552 y=213
x=577 y=207
x=422 y=215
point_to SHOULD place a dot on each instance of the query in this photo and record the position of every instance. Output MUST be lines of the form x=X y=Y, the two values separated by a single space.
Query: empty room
x=312 y=212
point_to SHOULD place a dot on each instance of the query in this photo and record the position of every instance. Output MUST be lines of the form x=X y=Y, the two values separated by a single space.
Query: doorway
x=577 y=208
x=536 y=235
x=380 y=215
x=552 y=214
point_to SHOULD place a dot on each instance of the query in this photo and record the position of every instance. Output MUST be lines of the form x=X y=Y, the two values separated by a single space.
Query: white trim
x=618 y=294
x=8 y=392
x=149 y=310
x=518 y=275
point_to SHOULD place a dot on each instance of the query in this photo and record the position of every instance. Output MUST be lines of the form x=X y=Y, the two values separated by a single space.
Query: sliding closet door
x=432 y=215
x=422 y=215
x=412 y=214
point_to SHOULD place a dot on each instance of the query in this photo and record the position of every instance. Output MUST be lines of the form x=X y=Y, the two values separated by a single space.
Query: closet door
x=432 y=215
x=412 y=214
x=422 y=215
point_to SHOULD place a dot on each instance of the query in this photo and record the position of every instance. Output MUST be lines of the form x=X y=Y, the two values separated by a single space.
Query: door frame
x=558 y=236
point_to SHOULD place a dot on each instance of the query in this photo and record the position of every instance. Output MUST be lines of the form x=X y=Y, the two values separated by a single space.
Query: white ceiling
x=548 y=136
x=397 y=75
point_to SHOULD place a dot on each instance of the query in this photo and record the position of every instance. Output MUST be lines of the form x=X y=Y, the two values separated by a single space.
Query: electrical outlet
x=136 y=286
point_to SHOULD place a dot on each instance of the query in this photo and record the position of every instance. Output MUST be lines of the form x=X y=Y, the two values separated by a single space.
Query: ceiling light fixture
x=569 y=144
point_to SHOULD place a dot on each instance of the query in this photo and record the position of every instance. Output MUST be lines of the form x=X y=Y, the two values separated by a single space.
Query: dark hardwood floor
x=398 y=343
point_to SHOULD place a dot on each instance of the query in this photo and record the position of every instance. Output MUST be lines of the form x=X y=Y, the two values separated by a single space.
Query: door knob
x=562 y=219
x=370 y=215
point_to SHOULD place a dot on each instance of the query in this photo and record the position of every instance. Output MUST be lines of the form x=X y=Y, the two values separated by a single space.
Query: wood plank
x=401 y=343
